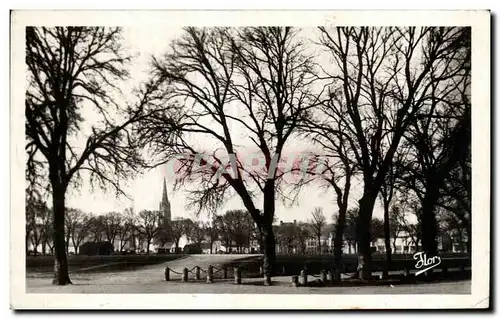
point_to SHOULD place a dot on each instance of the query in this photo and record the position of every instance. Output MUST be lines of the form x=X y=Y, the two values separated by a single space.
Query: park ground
x=150 y=279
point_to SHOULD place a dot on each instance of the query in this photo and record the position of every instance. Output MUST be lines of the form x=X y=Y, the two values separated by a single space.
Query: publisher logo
x=425 y=263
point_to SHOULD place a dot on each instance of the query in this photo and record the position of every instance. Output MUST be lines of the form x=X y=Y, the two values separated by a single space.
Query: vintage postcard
x=306 y=159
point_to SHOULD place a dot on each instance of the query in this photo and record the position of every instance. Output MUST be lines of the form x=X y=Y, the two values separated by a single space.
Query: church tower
x=165 y=204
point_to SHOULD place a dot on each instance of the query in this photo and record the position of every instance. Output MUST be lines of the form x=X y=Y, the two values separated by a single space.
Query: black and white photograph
x=303 y=159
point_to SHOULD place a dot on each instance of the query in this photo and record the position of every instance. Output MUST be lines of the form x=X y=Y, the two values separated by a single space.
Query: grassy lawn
x=83 y=263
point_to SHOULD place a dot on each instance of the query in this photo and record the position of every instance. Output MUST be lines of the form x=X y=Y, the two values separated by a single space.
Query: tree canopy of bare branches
x=256 y=79
x=382 y=80
x=71 y=69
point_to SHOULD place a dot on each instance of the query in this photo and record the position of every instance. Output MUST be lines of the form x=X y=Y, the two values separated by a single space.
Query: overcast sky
x=146 y=190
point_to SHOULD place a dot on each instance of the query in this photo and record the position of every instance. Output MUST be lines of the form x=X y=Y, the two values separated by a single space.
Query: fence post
x=237 y=275
x=197 y=273
x=267 y=280
x=303 y=277
x=444 y=270
x=337 y=275
x=329 y=277
x=322 y=276
x=185 y=275
x=224 y=272
x=406 y=272
x=167 y=274
x=210 y=274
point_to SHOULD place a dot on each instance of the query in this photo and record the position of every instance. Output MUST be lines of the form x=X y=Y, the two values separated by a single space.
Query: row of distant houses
x=403 y=243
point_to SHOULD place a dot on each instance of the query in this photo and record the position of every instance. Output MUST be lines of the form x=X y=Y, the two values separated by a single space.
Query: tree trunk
x=337 y=246
x=319 y=244
x=428 y=222
x=387 y=237
x=61 y=274
x=266 y=232
x=366 y=204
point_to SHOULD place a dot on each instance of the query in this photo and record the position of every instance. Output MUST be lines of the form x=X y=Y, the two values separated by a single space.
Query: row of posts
x=210 y=274
x=325 y=276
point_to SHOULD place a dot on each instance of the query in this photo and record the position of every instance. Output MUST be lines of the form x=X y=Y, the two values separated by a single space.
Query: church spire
x=165 y=195
x=165 y=204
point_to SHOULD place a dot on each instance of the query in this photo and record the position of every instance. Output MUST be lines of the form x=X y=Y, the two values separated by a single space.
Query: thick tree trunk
x=366 y=204
x=61 y=274
x=337 y=246
x=428 y=222
x=387 y=238
x=266 y=231
x=319 y=244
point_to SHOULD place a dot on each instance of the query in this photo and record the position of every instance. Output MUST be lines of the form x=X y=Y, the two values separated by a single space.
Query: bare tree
x=334 y=165
x=197 y=233
x=112 y=222
x=212 y=233
x=317 y=224
x=287 y=237
x=441 y=135
x=35 y=212
x=77 y=226
x=69 y=68
x=395 y=224
x=255 y=78
x=303 y=234
x=384 y=80
x=96 y=229
x=148 y=226
x=178 y=228
x=386 y=196
x=127 y=228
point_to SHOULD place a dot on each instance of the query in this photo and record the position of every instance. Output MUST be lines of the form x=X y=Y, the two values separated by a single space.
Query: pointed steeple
x=165 y=195
x=165 y=204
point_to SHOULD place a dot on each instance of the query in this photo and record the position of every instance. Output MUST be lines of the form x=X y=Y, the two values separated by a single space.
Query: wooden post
x=283 y=269
x=322 y=276
x=210 y=274
x=167 y=274
x=337 y=275
x=329 y=277
x=295 y=281
x=185 y=275
x=197 y=273
x=267 y=280
x=224 y=272
x=303 y=278
x=406 y=272
x=237 y=275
